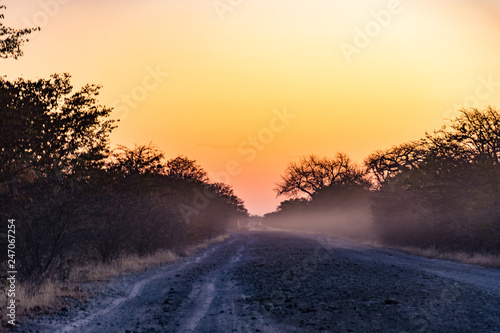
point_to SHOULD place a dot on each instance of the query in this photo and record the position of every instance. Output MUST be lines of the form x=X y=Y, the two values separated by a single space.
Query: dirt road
x=281 y=282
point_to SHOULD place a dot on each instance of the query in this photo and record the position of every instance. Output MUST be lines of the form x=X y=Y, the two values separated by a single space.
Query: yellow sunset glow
x=245 y=87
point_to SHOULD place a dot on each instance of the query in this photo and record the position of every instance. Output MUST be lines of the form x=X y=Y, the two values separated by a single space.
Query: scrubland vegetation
x=441 y=192
x=84 y=211
x=77 y=203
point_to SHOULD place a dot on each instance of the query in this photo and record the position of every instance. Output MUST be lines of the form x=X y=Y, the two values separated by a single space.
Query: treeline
x=326 y=195
x=442 y=191
x=76 y=201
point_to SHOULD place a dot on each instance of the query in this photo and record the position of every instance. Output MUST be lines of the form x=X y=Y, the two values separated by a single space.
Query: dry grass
x=50 y=296
x=53 y=295
x=486 y=260
x=189 y=251
x=479 y=259
x=129 y=264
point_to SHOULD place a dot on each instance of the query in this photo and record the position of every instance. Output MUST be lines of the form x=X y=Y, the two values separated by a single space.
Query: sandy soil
x=283 y=282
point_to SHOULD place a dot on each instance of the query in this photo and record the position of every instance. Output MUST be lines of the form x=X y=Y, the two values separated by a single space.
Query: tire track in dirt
x=205 y=293
x=281 y=282
x=115 y=304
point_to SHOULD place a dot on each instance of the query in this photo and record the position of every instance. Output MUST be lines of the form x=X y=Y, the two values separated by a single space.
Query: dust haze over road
x=284 y=282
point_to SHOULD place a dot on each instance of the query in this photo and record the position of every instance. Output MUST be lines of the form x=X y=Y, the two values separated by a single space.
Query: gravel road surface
x=284 y=282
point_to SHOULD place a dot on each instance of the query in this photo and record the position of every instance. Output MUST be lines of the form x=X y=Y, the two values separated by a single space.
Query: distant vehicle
x=249 y=225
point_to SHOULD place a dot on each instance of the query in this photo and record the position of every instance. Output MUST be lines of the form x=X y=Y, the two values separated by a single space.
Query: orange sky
x=207 y=79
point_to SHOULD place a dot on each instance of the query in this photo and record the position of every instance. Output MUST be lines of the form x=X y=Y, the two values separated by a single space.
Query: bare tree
x=442 y=191
x=384 y=164
x=12 y=39
x=477 y=132
x=312 y=173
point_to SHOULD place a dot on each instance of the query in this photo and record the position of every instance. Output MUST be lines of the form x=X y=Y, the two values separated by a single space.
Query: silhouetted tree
x=292 y=204
x=475 y=132
x=48 y=130
x=327 y=195
x=312 y=173
x=139 y=160
x=12 y=39
x=385 y=164
x=73 y=201
x=444 y=191
x=182 y=167
x=52 y=142
x=226 y=192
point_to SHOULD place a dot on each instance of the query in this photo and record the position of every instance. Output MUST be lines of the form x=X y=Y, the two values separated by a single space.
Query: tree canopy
x=59 y=178
x=182 y=167
x=312 y=174
x=142 y=159
x=48 y=129
x=442 y=191
x=12 y=39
